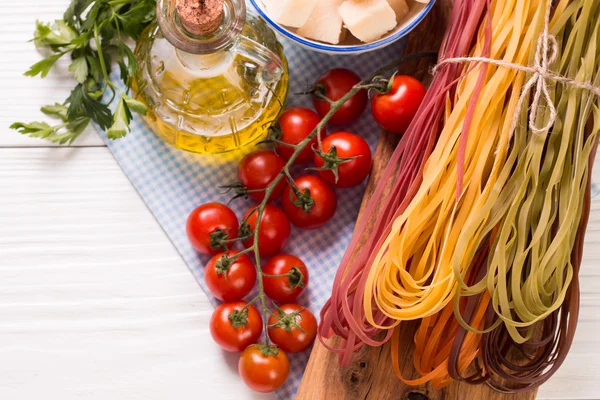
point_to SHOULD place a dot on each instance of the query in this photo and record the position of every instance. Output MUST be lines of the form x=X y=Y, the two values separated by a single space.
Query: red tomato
x=395 y=110
x=347 y=145
x=257 y=170
x=227 y=326
x=208 y=225
x=230 y=280
x=317 y=215
x=285 y=289
x=294 y=330
x=337 y=83
x=264 y=369
x=296 y=124
x=274 y=233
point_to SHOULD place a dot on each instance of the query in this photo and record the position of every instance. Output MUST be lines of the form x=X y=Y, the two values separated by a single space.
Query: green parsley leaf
x=97 y=111
x=121 y=121
x=75 y=128
x=33 y=129
x=75 y=100
x=99 y=14
x=131 y=61
x=42 y=32
x=135 y=105
x=81 y=104
x=81 y=40
x=95 y=68
x=124 y=73
x=55 y=36
x=76 y=8
x=60 y=134
x=135 y=20
x=43 y=67
x=108 y=33
x=57 y=110
x=79 y=67
x=130 y=69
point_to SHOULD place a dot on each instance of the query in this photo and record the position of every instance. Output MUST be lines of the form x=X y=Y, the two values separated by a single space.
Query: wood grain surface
x=370 y=375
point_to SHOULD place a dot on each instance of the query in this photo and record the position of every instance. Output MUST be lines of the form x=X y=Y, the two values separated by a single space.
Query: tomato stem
x=252 y=301
x=279 y=142
x=289 y=177
x=287 y=321
x=241 y=252
x=295 y=277
x=218 y=240
x=226 y=261
x=332 y=161
x=239 y=319
x=240 y=190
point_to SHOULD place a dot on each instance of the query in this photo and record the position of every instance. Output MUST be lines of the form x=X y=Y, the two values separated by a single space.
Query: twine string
x=541 y=75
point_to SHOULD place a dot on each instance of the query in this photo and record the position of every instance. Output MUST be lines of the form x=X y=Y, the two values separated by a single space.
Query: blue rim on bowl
x=360 y=48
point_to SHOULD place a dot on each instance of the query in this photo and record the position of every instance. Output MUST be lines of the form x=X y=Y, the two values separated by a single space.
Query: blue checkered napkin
x=173 y=182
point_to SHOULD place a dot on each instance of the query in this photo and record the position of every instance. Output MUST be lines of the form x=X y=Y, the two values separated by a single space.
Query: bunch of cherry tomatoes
x=340 y=160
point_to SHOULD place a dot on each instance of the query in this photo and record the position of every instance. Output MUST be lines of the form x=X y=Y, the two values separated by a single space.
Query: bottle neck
x=222 y=38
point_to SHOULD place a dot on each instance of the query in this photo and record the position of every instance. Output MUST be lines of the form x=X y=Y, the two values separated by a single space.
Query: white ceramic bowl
x=418 y=11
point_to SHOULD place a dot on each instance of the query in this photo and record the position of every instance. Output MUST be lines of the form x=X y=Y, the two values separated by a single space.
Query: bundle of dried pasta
x=540 y=209
x=484 y=243
x=412 y=273
x=343 y=313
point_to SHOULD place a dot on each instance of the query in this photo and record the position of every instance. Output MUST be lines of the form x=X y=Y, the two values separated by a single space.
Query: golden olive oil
x=210 y=103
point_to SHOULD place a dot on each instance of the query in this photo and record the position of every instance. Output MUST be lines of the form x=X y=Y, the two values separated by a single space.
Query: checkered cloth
x=173 y=182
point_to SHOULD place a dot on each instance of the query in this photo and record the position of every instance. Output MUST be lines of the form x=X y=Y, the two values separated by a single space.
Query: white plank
x=22 y=96
x=95 y=303
x=579 y=377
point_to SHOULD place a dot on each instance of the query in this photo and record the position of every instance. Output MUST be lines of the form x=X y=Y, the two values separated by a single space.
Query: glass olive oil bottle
x=214 y=78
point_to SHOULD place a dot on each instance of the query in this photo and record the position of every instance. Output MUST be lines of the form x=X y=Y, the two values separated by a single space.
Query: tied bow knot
x=546 y=54
x=547 y=51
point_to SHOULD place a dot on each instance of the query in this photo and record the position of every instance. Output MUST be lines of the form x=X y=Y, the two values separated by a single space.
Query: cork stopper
x=200 y=17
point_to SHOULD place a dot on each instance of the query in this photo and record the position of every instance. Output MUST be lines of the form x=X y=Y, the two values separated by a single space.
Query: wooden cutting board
x=370 y=376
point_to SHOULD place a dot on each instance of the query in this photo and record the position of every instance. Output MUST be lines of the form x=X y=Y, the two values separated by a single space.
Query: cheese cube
x=324 y=23
x=400 y=8
x=292 y=13
x=368 y=20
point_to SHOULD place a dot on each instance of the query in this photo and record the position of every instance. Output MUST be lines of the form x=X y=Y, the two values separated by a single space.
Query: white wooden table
x=95 y=302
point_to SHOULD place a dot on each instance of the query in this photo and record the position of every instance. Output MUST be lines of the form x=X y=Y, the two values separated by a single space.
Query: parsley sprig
x=92 y=33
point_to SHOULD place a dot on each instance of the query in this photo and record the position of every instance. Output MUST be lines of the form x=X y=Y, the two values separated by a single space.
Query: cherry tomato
x=264 y=369
x=230 y=280
x=294 y=330
x=296 y=124
x=257 y=170
x=321 y=211
x=285 y=289
x=395 y=110
x=208 y=223
x=275 y=230
x=337 y=83
x=347 y=145
x=227 y=326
